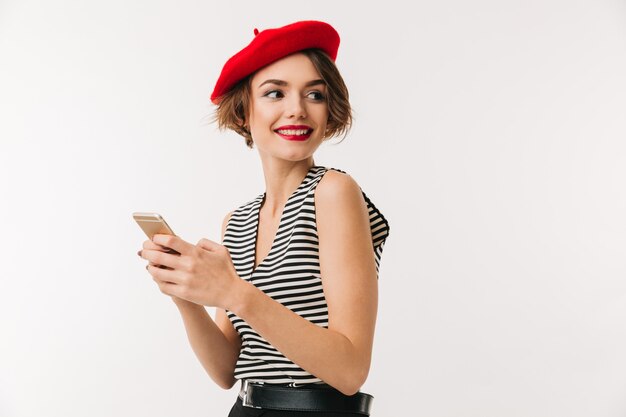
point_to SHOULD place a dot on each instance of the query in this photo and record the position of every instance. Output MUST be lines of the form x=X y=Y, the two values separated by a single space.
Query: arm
x=341 y=354
x=215 y=343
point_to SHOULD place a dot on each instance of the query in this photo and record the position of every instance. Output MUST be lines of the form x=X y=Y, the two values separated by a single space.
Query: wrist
x=242 y=294
x=182 y=303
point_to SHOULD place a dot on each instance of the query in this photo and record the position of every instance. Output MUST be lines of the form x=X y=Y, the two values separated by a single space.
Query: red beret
x=271 y=45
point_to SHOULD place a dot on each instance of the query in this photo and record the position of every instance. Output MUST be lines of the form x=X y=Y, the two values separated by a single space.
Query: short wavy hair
x=234 y=106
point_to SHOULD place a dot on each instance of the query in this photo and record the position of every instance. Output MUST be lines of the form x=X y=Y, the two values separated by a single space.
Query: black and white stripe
x=290 y=274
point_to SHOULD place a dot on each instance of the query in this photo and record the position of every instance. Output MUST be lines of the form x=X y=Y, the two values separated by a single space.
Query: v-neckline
x=257 y=213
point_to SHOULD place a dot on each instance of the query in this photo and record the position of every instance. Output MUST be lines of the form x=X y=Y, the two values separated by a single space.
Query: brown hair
x=234 y=106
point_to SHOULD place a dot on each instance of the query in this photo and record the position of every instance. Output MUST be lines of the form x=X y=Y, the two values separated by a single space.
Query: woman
x=295 y=281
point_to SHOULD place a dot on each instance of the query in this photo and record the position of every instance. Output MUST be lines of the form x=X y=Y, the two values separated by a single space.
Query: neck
x=282 y=178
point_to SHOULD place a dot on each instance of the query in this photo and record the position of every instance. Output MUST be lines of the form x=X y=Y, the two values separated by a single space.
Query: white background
x=491 y=135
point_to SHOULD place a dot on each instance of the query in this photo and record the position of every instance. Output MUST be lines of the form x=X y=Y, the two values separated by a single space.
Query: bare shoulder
x=337 y=185
x=338 y=198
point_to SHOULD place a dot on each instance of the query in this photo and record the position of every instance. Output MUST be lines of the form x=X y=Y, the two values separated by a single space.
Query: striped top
x=290 y=274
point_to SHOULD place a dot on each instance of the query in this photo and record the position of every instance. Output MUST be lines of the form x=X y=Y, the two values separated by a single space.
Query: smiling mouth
x=294 y=134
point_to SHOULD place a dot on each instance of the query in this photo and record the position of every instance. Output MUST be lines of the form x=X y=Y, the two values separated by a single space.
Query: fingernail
x=139 y=252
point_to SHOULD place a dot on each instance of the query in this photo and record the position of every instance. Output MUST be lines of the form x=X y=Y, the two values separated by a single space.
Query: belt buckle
x=245 y=398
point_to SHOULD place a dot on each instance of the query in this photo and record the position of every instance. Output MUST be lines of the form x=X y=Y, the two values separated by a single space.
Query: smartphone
x=152 y=224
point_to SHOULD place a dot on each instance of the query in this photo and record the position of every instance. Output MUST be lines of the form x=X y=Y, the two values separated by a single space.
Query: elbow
x=225 y=383
x=225 y=386
x=353 y=382
x=349 y=390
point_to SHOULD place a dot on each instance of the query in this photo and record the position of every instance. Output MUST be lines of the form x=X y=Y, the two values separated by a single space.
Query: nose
x=296 y=108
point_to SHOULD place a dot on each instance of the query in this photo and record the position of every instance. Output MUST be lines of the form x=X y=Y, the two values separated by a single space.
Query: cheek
x=260 y=118
x=321 y=116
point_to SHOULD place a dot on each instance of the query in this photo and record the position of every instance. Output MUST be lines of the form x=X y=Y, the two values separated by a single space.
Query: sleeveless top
x=290 y=274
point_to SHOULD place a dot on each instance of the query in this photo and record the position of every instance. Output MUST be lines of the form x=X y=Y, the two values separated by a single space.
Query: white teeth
x=298 y=132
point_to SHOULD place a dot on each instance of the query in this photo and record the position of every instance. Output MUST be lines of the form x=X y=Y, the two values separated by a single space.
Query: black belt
x=314 y=397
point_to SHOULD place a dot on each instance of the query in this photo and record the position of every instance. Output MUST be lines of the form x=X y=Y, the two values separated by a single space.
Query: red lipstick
x=294 y=132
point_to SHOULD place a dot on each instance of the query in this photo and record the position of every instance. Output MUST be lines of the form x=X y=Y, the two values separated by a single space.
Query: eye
x=274 y=94
x=316 y=95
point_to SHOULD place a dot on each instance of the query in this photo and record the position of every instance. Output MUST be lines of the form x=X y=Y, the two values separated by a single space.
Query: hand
x=148 y=244
x=203 y=273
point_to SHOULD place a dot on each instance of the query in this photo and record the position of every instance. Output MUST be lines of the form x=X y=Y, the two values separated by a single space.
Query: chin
x=294 y=156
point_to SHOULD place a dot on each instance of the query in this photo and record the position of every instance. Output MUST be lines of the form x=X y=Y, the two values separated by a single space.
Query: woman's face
x=288 y=109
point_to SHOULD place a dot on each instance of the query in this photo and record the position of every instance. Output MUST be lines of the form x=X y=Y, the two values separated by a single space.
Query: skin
x=204 y=275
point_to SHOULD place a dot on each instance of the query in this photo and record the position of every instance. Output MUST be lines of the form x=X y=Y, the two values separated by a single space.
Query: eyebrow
x=285 y=83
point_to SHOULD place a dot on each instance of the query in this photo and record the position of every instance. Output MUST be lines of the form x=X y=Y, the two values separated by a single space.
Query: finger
x=173 y=242
x=161 y=266
x=163 y=275
x=157 y=257
x=208 y=245
x=170 y=289
x=148 y=244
